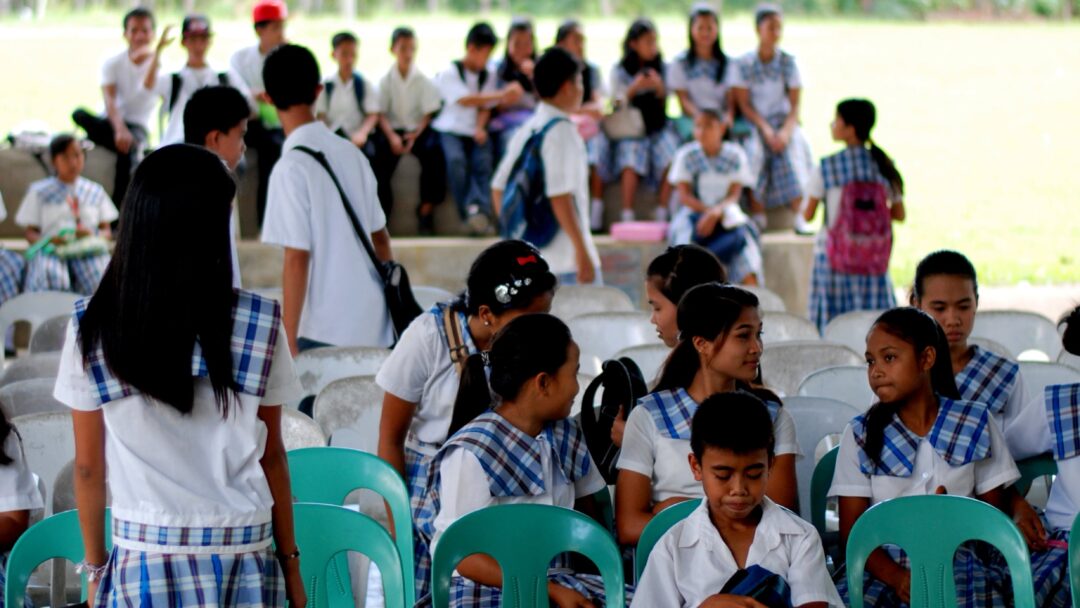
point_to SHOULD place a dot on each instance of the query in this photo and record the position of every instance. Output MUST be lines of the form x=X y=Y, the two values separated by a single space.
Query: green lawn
x=978 y=117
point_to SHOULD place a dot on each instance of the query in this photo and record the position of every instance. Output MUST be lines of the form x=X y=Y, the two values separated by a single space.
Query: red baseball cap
x=269 y=10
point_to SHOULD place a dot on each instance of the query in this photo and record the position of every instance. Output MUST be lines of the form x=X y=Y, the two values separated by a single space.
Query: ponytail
x=1070 y=338
x=6 y=429
x=680 y=367
x=887 y=168
x=860 y=114
x=473 y=396
x=877 y=418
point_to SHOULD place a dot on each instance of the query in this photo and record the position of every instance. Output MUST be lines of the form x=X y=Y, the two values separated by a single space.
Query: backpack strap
x=174 y=90
x=455 y=342
x=481 y=80
x=223 y=79
x=329 y=86
x=358 y=91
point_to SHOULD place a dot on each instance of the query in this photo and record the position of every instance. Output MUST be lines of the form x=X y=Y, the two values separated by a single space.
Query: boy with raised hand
x=126 y=124
x=348 y=104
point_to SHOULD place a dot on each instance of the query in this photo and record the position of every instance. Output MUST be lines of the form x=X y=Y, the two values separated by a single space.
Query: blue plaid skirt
x=213 y=580
x=834 y=293
x=464 y=593
x=781 y=178
x=12 y=271
x=648 y=156
x=1050 y=574
x=417 y=467
x=46 y=272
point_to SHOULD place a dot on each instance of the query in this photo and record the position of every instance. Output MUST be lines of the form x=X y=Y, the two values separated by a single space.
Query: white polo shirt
x=344 y=303
x=406 y=101
x=45 y=206
x=248 y=63
x=191 y=80
x=134 y=103
x=340 y=110
x=691 y=562
x=457 y=119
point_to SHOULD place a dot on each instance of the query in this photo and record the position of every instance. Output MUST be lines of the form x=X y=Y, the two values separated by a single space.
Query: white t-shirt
x=191 y=80
x=18 y=486
x=248 y=64
x=700 y=83
x=454 y=118
x=406 y=101
x=45 y=206
x=691 y=562
x=133 y=101
x=767 y=83
x=566 y=170
x=170 y=469
x=344 y=303
x=342 y=111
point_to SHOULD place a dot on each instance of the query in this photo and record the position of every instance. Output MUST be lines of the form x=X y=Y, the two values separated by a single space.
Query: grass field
x=980 y=118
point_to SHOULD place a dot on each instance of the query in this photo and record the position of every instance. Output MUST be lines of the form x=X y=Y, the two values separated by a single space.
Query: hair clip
x=502 y=294
x=529 y=259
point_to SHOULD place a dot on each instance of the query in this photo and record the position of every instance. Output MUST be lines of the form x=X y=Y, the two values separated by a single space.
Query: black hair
x=738 y=421
x=341 y=38
x=764 y=11
x=216 y=108
x=265 y=22
x=59 y=144
x=481 y=35
x=159 y=295
x=630 y=60
x=508 y=68
x=710 y=114
x=526 y=347
x=707 y=311
x=704 y=10
x=921 y=331
x=554 y=68
x=291 y=76
x=861 y=115
x=399 y=33
x=140 y=12
x=947 y=262
x=508 y=275
x=565 y=29
x=1070 y=337
x=683 y=267
x=6 y=429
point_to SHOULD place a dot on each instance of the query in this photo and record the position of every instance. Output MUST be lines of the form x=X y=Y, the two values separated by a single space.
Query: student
x=570 y=37
x=125 y=125
x=265 y=134
x=833 y=292
x=67 y=221
x=408 y=102
x=469 y=92
x=701 y=75
x=516 y=66
x=669 y=276
x=12 y=266
x=719 y=351
x=349 y=104
x=768 y=89
x=709 y=175
x=920 y=438
x=157 y=430
x=533 y=364
x=421 y=377
x=638 y=80
x=332 y=292
x=736 y=527
x=176 y=89
x=18 y=493
x=571 y=253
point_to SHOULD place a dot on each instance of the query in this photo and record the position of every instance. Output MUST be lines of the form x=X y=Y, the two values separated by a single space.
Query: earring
x=487 y=323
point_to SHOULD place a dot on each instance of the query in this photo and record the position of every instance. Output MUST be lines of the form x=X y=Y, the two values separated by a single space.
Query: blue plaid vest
x=988 y=378
x=853 y=164
x=727 y=161
x=255 y=332
x=1063 y=412
x=672 y=412
x=960 y=435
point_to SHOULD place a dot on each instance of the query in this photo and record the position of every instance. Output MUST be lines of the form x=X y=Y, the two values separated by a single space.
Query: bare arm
x=689 y=108
x=89 y=428
x=370 y=121
x=381 y=242
x=899 y=214
x=783 y=487
x=294 y=283
x=687 y=198
x=12 y=526
x=480 y=99
x=397 y=415
x=155 y=62
x=742 y=101
x=792 y=120
x=385 y=127
x=276 y=468
x=812 y=205
x=633 y=506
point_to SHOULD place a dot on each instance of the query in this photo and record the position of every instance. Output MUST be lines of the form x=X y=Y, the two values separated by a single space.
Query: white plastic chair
x=1019 y=331
x=1038 y=375
x=318 y=367
x=601 y=335
x=348 y=411
x=786 y=327
x=815 y=419
x=49 y=336
x=62 y=571
x=37 y=307
x=850 y=328
x=650 y=359
x=33 y=396
x=427 y=297
x=42 y=365
x=298 y=430
x=49 y=443
x=785 y=365
x=995 y=347
x=573 y=301
x=768 y=300
x=847 y=383
x=1069 y=359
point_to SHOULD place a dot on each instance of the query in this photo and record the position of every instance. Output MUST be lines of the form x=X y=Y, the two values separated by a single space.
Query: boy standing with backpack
x=349 y=105
x=563 y=171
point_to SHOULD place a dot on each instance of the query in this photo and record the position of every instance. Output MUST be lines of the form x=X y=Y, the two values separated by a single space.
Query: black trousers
x=100 y=131
x=427 y=150
x=267 y=145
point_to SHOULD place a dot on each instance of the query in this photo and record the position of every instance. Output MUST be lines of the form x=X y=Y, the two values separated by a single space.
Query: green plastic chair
x=1074 y=561
x=819 y=488
x=929 y=529
x=327 y=475
x=524 y=539
x=605 y=510
x=656 y=527
x=1033 y=468
x=58 y=536
x=325 y=532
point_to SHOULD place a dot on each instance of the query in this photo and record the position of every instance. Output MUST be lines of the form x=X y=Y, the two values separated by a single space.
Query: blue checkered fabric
x=959 y=435
x=256 y=321
x=1063 y=410
x=179 y=536
x=52 y=191
x=834 y=293
x=12 y=271
x=749 y=260
x=673 y=411
x=697 y=162
x=754 y=71
x=700 y=68
x=988 y=378
x=648 y=156
x=465 y=593
x=777 y=184
x=47 y=272
x=417 y=476
x=852 y=164
x=86 y=273
x=1050 y=574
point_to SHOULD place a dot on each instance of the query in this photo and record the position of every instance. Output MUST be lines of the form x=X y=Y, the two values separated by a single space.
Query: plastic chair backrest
x=41 y=365
x=1038 y=375
x=786 y=327
x=49 y=336
x=33 y=396
x=1069 y=359
x=929 y=529
x=850 y=328
x=815 y=418
x=427 y=297
x=1034 y=468
x=995 y=347
x=1074 y=562
x=1019 y=331
x=58 y=536
x=847 y=383
x=353 y=405
x=318 y=367
x=323 y=532
x=768 y=300
x=601 y=335
x=657 y=526
x=650 y=359
x=298 y=430
x=819 y=488
x=523 y=539
x=785 y=365
x=575 y=300
x=48 y=442
x=35 y=308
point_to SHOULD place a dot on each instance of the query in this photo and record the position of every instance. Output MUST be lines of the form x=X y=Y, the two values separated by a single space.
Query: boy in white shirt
x=332 y=292
x=571 y=254
x=736 y=528
x=126 y=124
x=353 y=111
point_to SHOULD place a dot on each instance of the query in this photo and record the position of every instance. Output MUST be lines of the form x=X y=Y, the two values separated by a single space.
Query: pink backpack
x=861 y=240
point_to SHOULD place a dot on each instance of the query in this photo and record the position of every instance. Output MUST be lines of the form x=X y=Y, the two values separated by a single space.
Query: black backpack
x=623 y=385
x=178 y=82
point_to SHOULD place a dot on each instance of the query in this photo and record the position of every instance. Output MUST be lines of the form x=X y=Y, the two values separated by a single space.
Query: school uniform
x=691 y=562
x=704 y=84
x=491 y=462
x=656 y=442
x=175 y=90
x=965 y=453
x=597 y=147
x=507 y=120
x=420 y=370
x=468 y=164
x=12 y=266
x=782 y=177
x=48 y=206
x=651 y=155
x=996 y=381
x=710 y=178
x=264 y=134
x=566 y=171
x=185 y=533
x=18 y=491
x=344 y=104
x=833 y=293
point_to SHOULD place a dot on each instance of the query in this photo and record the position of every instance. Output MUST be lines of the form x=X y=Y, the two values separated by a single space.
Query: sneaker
x=478 y=222
x=802 y=226
x=628 y=215
x=660 y=214
x=596 y=215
